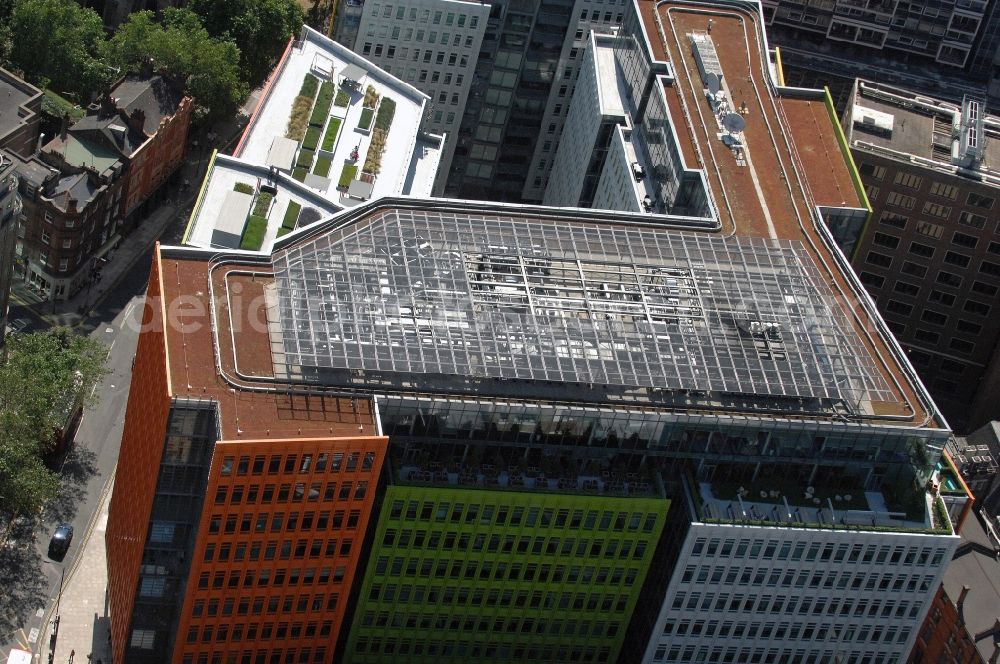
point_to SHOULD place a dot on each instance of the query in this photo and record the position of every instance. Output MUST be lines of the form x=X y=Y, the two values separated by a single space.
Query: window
x=899 y=200
x=980 y=201
x=872 y=171
x=46 y=237
x=906 y=288
x=142 y=638
x=985 y=289
x=978 y=308
x=921 y=250
x=968 y=327
x=908 y=180
x=970 y=219
x=872 y=280
x=926 y=336
x=933 y=317
x=990 y=268
x=947 y=299
x=944 y=190
x=875 y=258
x=899 y=308
x=936 y=210
x=949 y=279
x=969 y=241
x=893 y=219
x=961 y=345
x=913 y=269
x=929 y=229
x=954 y=258
x=884 y=240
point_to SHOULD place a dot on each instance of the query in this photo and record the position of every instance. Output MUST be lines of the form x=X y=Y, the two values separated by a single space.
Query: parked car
x=61 y=539
x=17 y=325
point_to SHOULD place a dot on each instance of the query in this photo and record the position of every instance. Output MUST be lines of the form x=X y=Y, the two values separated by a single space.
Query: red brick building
x=88 y=184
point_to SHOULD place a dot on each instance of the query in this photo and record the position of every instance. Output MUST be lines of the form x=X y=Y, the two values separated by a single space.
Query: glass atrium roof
x=477 y=295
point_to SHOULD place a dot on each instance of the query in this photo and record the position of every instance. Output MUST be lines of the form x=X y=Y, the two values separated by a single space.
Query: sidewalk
x=83 y=606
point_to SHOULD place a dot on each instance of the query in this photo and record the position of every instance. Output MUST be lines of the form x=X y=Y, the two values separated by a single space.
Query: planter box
x=365 y=122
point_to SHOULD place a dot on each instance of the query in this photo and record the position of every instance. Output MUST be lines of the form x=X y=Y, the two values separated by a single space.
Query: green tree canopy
x=208 y=66
x=44 y=378
x=260 y=28
x=59 y=43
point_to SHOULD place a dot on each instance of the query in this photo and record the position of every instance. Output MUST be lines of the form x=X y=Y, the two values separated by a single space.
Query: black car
x=61 y=538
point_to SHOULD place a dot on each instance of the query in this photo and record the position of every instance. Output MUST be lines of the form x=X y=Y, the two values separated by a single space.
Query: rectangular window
x=913 y=269
x=899 y=308
x=929 y=229
x=944 y=190
x=908 y=180
x=875 y=258
x=961 y=345
x=933 y=317
x=978 y=308
x=969 y=219
x=899 y=200
x=906 y=288
x=884 y=240
x=954 y=258
x=949 y=279
x=980 y=201
x=871 y=280
x=921 y=250
x=893 y=219
x=969 y=241
x=937 y=210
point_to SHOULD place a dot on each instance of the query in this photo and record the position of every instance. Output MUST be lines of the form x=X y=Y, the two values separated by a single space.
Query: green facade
x=463 y=575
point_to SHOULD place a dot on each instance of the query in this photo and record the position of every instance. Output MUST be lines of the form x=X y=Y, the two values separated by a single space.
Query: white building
x=334 y=166
x=432 y=45
x=805 y=584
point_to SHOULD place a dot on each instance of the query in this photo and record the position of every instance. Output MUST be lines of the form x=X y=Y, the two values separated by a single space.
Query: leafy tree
x=43 y=379
x=209 y=67
x=260 y=28
x=57 y=43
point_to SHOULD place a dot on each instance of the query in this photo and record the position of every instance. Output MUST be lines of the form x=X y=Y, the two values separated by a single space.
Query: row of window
x=267 y=631
x=494 y=597
x=784 y=550
x=498 y=624
x=265 y=577
x=552 y=546
x=529 y=517
x=287 y=550
x=297 y=492
x=788 y=578
x=939 y=189
x=424 y=15
x=276 y=656
x=288 y=604
x=768 y=604
x=257 y=523
x=479 y=651
x=812 y=631
x=292 y=463
x=714 y=654
x=504 y=570
x=986 y=267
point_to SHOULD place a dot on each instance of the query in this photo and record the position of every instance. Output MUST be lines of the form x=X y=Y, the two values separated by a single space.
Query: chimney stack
x=961 y=597
x=64 y=126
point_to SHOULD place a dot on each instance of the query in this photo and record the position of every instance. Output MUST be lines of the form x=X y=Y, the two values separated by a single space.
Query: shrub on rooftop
x=262 y=204
x=299 y=173
x=347 y=175
x=321 y=111
x=253 y=233
x=322 y=167
x=302 y=105
x=331 y=134
x=305 y=159
x=291 y=215
x=366 y=118
x=311 y=139
x=386 y=111
x=243 y=188
x=371 y=97
x=342 y=100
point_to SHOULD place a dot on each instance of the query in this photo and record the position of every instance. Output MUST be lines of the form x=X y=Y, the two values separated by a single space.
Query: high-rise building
x=664 y=432
x=930 y=256
x=20 y=106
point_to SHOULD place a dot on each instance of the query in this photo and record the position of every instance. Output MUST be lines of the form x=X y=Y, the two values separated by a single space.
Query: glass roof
x=530 y=298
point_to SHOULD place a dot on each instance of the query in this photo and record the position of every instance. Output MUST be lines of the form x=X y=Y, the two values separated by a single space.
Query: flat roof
x=921 y=127
x=542 y=299
x=751 y=200
x=215 y=212
x=14 y=94
x=200 y=370
x=316 y=54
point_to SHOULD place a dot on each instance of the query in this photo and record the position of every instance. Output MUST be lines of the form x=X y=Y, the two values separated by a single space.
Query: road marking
x=33 y=635
x=128 y=312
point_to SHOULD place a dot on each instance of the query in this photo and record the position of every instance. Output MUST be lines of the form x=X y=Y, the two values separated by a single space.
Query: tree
x=208 y=67
x=44 y=378
x=260 y=29
x=57 y=43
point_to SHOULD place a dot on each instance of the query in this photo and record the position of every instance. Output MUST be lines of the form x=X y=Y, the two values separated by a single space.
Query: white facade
x=758 y=593
x=601 y=16
x=432 y=45
x=618 y=188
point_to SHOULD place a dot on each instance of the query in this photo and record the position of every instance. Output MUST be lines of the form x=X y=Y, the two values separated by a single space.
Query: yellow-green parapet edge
x=201 y=196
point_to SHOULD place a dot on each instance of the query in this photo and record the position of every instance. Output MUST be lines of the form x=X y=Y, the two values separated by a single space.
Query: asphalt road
x=91 y=463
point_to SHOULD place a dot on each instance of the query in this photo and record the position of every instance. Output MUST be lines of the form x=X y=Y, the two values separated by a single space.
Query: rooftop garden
x=365 y=121
x=256 y=224
x=347 y=175
x=322 y=166
x=321 y=111
x=386 y=111
x=371 y=97
x=290 y=219
x=302 y=106
x=342 y=100
x=330 y=137
x=243 y=188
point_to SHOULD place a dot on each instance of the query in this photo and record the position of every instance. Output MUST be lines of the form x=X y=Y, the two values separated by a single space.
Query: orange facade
x=135 y=478
x=158 y=157
x=278 y=548
x=943 y=637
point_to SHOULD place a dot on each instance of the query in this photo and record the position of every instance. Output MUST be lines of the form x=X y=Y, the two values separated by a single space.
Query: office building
x=20 y=105
x=432 y=45
x=943 y=49
x=929 y=256
x=656 y=434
